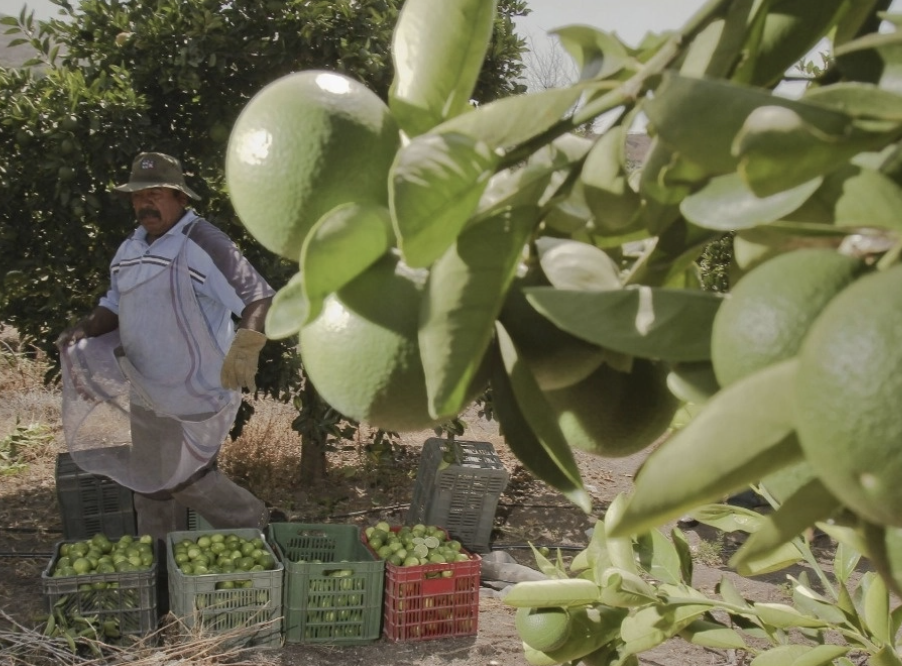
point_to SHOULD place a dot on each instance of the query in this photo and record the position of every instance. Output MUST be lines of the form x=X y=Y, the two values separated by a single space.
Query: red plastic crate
x=431 y=601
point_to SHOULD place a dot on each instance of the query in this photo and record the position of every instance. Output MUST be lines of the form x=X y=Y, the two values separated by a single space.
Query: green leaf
x=783 y=616
x=570 y=264
x=620 y=549
x=659 y=557
x=684 y=552
x=701 y=118
x=799 y=655
x=869 y=199
x=661 y=323
x=548 y=457
x=650 y=626
x=598 y=54
x=777 y=559
x=436 y=183
x=613 y=202
x=543 y=593
x=778 y=148
x=811 y=603
x=887 y=48
x=623 y=589
x=858 y=100
x=713 y=635
x=726 y=203
x=511 y=121
x=876 y=611
x=288 y=311
x=811 y=503
x=340 y=246
x=730 y=594
x=728 y=518
x=845 y=560
x=885 y=656
x=463 y=297
x=786 y=31
x=725 y=447
x=437 y=57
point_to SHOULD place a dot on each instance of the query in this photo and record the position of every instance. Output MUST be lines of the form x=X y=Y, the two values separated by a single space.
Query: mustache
x=148 y=212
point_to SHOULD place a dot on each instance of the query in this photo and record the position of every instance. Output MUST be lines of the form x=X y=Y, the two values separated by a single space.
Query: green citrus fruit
x=555 y=358
x=847 y=397
x=543 y=629
x=766 y=316
x=303 y=145
x=362 y=353
x=614 y=414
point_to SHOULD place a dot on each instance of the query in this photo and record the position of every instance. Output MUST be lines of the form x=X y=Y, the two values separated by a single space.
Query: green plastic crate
x=463 y=496
x=253 y=613
x=91 y=504
x=127 y=598
x=337 y=600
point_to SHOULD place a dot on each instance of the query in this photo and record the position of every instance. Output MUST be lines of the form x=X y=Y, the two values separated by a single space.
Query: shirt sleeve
x=229 y=276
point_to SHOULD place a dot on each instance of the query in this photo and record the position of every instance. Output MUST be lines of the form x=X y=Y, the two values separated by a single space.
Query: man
x=151 y=377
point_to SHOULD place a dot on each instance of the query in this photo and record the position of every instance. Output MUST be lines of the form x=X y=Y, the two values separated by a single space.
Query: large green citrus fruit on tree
x=304 y=144
x=543 y=629
x=362 y=352
x=766 y=316
x=848 y=397
x=614 y=414
x=555 y=358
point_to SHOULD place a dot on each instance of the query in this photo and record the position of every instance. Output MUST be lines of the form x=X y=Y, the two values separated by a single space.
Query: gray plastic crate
x=463 y=496
x=252 y=614
x=91 y=504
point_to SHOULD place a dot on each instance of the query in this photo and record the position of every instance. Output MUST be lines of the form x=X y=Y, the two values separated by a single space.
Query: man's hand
x=240 y=365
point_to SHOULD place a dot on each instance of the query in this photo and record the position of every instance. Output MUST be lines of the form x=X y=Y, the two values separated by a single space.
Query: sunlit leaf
x=659 y=557
x=340 y=246
x=726 y=203
x=800 y=511
x=778 y=148
x=436 y=183
x=570 y=264
x=511 y=121
x=437 y=57
x=598 y=54
x=288 y=311
x=549 y=458
x=712 y=635
x=463 y=297
x=668 y=324
x=725 y=447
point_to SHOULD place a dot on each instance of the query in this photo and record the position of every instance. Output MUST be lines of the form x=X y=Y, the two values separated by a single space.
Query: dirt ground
x=527 y=511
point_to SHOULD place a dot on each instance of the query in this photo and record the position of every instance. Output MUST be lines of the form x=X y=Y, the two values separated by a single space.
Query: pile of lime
x=102 y=555
x=410 y=546
x=222 y=553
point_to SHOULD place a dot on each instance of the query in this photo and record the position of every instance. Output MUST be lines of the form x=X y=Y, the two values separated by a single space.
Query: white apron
x=143 y=405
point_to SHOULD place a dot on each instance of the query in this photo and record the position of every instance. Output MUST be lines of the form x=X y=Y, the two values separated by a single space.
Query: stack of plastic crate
x=91 y=504
x=458 y=487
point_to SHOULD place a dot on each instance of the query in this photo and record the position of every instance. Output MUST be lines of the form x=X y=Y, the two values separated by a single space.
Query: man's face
x=158 y=209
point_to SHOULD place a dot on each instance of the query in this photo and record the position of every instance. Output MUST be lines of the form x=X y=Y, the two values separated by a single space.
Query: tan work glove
x=240 y=364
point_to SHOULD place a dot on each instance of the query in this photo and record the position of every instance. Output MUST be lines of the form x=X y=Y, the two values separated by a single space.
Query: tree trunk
x=313 y=458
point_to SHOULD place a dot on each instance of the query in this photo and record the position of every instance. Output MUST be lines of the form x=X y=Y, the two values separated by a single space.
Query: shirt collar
x=190 y=215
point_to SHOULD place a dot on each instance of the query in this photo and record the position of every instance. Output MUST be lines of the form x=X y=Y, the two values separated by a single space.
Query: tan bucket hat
x=156 y=170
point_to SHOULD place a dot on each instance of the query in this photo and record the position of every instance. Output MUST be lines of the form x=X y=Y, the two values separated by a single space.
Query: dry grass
x=173 y=643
